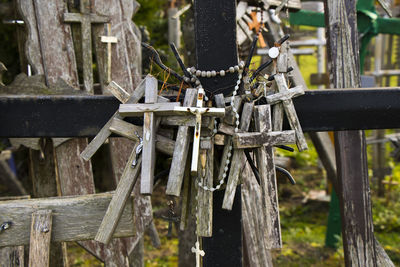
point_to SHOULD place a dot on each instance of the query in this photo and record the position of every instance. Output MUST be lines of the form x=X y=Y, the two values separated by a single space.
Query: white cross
x=198 y=253
x=109 y=40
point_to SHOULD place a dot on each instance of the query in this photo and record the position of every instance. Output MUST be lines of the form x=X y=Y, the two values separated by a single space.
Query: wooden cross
x=198 y=252
x=256 y=25
x=109 y=40
x=285 y=96
x=166 y=109
x=86 y=19
x=264 y=140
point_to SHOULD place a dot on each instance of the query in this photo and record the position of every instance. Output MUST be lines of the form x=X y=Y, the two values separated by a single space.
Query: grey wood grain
x=149 y=140
x=74 y=218
x=181 y=150
x=253 y=221
x=39 y=245
x=205 y=198
x=351 y=155
x=252 y=140
x=237 y=161
x=119 y=92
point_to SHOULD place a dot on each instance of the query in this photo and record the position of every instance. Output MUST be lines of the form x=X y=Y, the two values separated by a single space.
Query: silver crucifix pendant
x=139 y=149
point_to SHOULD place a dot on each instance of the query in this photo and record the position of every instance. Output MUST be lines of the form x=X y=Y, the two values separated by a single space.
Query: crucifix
x=257 y=25
x=109 y=40
x=285 y=96
x=86 y=18
x=171 y=218
x=198 y=252
x=264 y=140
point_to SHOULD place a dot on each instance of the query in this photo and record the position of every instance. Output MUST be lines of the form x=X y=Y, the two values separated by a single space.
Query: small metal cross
x=170 y=218
x=139 y=149
x=198 y=252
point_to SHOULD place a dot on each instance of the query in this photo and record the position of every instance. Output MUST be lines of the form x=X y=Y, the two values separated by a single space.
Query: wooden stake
x=109 y=40
x=180 y=151
x=149 y=139
x=39 y=247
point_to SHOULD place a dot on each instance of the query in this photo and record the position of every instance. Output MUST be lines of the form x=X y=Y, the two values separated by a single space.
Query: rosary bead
x=193 y=79
x=227 y=161
x=218 y=187
x=224 y=175
x=197 y=82
x=241 y=64
x=238 y=82
x=273 y=52
x=213 y=73
x=229 y=154
x=231 y=69
x=198 y=73
x=236 y=68
x=188 y=70
x=186 y=79
x=212 y=189
x=222 y=73
x=208 y=74
x=237 y=116
x=193 y=70
x=203 y=73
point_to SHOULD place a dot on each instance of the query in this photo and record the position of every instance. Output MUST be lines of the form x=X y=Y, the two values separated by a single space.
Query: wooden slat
x=237 y=161
x=181 y=150
x=137 y=110
x=126 y=129
x=149 y=141
x=252 y=140
x=205 y=198
x=74 y=218
x=39 y=246
x=253 y=221
x=119 y=92
x=118 y=201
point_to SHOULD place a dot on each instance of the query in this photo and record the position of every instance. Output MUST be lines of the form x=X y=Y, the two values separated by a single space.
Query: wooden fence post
x=39 y=247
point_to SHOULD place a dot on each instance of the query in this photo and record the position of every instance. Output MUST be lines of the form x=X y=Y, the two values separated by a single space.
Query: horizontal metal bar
x=83 y=116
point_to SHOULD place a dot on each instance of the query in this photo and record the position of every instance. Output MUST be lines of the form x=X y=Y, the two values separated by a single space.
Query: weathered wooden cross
x=86 y=18
x=264 y=140
x=285 y=96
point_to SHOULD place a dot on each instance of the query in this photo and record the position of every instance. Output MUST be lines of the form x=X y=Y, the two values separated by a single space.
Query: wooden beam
x=137 y=110
x=39 y=247
x=74 y=218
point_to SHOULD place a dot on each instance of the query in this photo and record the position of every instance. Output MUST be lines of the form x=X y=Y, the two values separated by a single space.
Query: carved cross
x=86 y=19
x=256 y=25
x=263 y=140
x=198 y=252
x=285 y=96
x=109 y=40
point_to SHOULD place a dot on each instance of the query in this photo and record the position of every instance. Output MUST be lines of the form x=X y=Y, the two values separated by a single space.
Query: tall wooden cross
x=86 y=18
x=264 y=140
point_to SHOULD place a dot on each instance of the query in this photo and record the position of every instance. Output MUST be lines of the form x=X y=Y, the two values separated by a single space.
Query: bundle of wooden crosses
x=242 y=123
